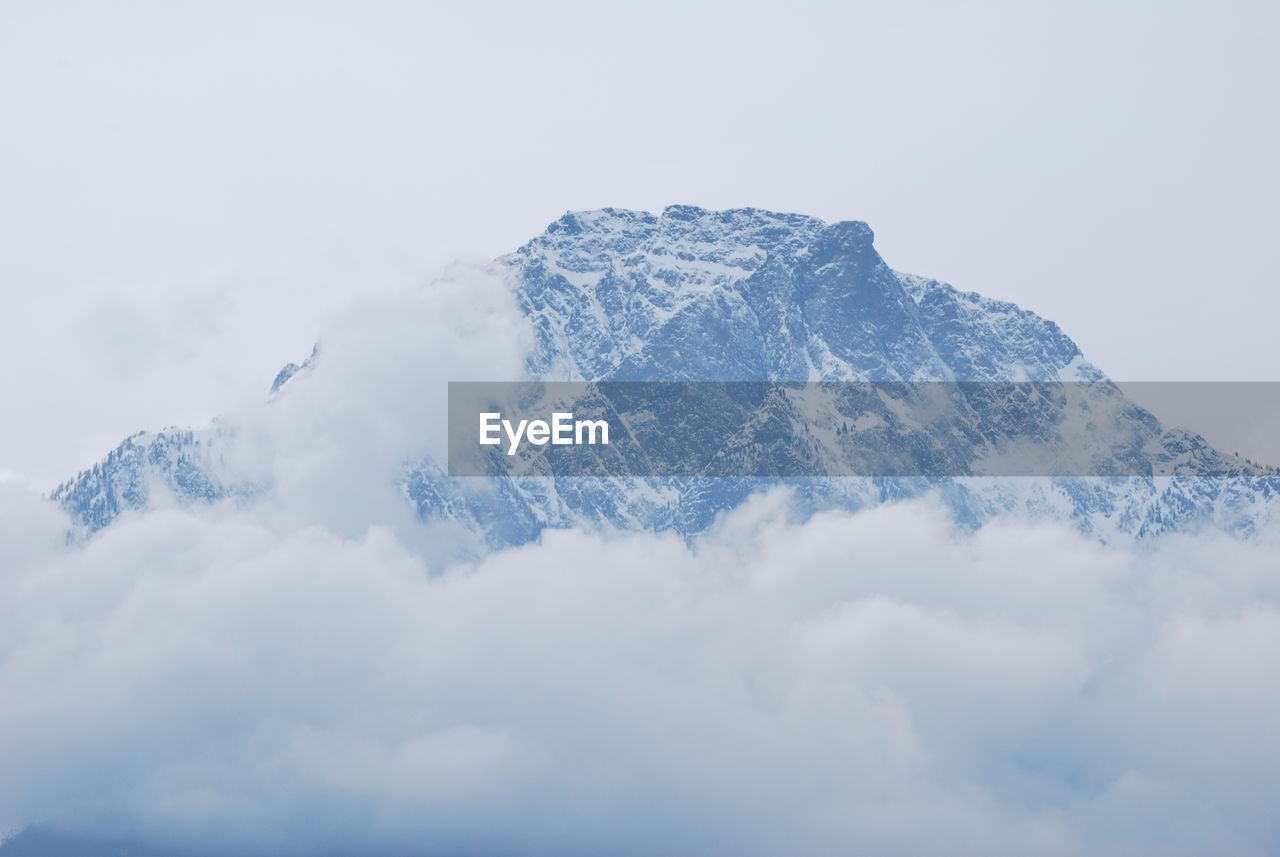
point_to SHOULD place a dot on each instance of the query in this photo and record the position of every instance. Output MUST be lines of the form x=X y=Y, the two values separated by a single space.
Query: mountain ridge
x=739 y=294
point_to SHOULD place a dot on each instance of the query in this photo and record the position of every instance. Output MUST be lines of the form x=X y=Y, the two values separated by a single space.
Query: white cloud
x=306 y=672
x=333 y=444
x=871 y=683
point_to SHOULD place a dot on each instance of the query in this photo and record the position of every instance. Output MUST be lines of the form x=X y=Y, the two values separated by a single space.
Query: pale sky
x=188 y=194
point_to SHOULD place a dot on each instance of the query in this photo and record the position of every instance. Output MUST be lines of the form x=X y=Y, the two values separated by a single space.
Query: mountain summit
x=754 y=295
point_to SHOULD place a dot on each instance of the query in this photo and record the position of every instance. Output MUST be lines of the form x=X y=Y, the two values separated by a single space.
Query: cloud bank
x=309 y=674
x=858 y=683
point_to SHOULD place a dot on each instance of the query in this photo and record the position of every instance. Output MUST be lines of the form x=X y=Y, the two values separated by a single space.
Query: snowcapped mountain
x=740 y=295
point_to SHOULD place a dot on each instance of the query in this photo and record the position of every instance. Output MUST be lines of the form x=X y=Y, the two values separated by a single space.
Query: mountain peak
x=739 y=294
x=689 y=229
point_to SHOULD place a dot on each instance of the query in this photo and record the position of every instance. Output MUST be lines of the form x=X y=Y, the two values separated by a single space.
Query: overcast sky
x=188 y=193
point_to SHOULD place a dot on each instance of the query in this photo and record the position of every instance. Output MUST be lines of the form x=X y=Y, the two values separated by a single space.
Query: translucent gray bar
x=899 y=429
